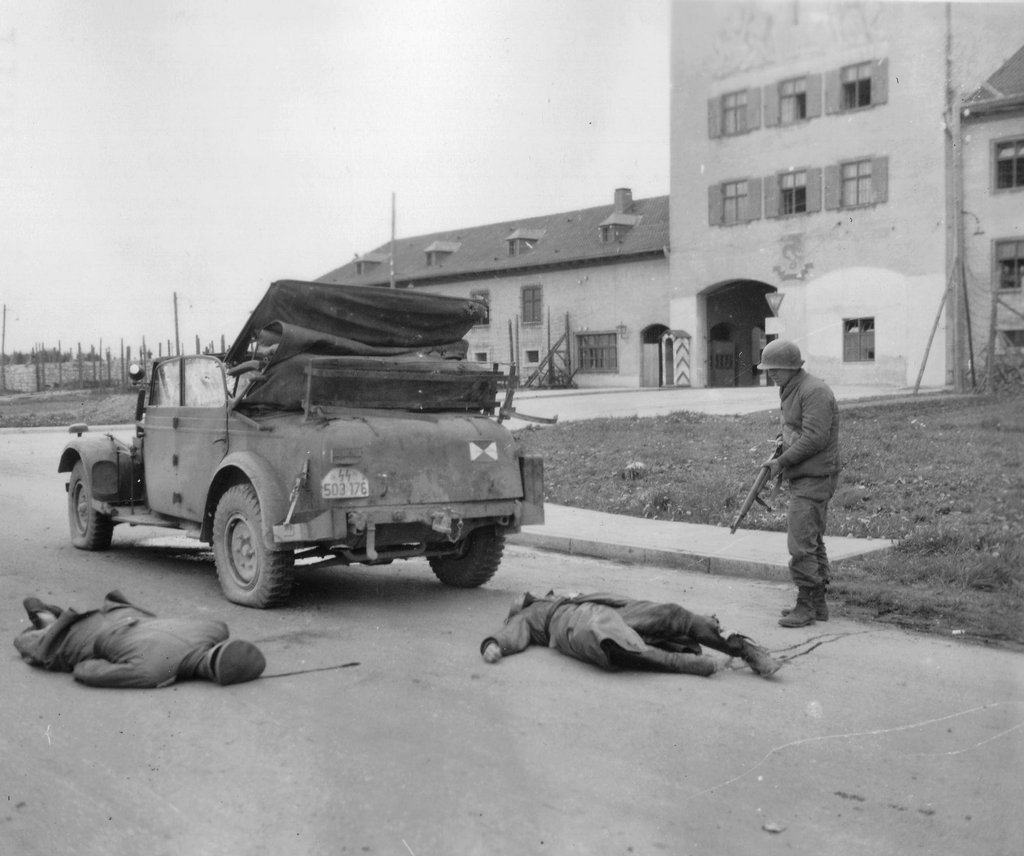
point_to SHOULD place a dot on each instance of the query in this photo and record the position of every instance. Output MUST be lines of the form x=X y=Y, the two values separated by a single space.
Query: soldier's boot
x=760 y=661
x=818 y=603
x=803 y=613
x=232 y=661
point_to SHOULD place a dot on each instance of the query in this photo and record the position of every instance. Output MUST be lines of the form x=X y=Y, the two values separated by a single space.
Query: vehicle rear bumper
x=340 y=525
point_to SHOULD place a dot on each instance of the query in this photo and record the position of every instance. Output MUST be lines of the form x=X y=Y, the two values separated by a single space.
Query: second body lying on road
x=617 y=632
x=123 y=645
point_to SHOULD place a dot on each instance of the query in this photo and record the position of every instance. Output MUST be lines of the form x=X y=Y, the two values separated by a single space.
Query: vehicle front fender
x=106 y=462
x=239 y=467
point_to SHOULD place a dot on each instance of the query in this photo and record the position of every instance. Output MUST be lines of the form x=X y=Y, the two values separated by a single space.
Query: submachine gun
x=754 y=494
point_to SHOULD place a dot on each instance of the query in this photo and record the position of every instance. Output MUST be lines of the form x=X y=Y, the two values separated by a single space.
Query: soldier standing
x=810 y=462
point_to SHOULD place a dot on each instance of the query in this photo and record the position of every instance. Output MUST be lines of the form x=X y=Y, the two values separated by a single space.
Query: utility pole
x=391 y=254
x=3 y=354
x=177 y=340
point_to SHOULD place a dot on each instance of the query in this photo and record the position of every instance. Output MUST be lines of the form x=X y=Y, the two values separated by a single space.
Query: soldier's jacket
x=810 y=428
x=122 y=645
x=579 y=625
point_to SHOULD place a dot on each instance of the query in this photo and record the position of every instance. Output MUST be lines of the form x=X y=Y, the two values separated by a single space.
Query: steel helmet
x=780 y=354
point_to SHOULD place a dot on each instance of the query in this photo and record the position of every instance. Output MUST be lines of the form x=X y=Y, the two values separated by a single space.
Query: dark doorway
x=651 y=362
x=736 y=313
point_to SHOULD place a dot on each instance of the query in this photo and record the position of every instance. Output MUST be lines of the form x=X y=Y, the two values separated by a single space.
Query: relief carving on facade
x=794 y=264
x=755 y=35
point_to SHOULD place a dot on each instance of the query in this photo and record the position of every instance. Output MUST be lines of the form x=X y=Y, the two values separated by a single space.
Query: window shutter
x=771 y=196
x=814 y=189
x=714 y=117
x=879 y=179
x=753 y=108
x=832 y=91
x=880 y=81
x=771 y=105
x=715 y=205
x=813 y=96
x=832 y=187
x=753 y=200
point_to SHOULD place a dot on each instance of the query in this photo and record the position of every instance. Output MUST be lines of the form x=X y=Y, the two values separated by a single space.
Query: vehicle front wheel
x=250 y=573
x=90 y=530
x=475 y=563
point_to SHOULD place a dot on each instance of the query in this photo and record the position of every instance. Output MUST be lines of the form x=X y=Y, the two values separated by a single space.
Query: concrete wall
x=887 y=260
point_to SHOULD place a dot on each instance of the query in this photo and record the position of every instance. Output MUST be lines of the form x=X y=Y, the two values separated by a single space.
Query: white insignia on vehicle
x=483 y=450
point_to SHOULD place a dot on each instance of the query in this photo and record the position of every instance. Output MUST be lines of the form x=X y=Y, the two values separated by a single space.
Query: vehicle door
x=186 y=434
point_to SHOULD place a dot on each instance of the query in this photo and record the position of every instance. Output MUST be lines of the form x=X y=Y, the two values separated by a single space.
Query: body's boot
x=803 y=613
x=818 y=604
x=232 y=661
x=760 y=661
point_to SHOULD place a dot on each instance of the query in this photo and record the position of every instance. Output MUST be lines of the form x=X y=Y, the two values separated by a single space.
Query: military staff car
x=343 y=426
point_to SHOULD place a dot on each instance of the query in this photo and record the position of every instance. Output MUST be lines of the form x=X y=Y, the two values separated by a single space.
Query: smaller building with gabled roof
x=992 y=129
x=577 y=297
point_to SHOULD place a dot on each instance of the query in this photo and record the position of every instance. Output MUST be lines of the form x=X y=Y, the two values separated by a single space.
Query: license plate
x=344 y=483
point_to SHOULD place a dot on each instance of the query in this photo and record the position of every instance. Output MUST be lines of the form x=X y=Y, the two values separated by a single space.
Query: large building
x=823 y=186
x=992 y=135
x=588 y=287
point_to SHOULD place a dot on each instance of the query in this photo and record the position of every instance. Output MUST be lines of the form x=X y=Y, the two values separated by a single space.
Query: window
x=166 y=386
x=1010 y=264
x=520 y=246
x=858 y=340
x=532 y=356
x=1013 y=338
x=856 y=86
x=792 y=100
x=598 y=352
x=367 y=264
x=484 y=297
x=856 y=184
x=1010 y=164
x=480 y=356
x=793 y=196
x=532 y=304
x=794 y=192
x=204 y=383
x=734 y=202
x=522 y=241
x=734 y=113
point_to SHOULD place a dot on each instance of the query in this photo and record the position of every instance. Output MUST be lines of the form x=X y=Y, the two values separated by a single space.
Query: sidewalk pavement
x=684 y=546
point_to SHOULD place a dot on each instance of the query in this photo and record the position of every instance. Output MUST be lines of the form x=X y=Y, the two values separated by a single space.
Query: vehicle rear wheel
x=250 y=573
x=90 y=530
x=475 y=563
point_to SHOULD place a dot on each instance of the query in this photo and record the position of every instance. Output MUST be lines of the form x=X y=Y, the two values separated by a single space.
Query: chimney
x=623 y=200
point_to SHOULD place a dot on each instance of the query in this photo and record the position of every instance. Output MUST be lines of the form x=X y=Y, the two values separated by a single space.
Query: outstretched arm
x=511 y=639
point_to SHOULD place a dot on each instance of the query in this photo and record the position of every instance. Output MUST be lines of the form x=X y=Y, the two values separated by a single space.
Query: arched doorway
x=651 y=361
x=735 y=312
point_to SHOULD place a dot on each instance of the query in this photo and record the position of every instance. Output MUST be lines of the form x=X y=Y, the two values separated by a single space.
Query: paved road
x=379 y=729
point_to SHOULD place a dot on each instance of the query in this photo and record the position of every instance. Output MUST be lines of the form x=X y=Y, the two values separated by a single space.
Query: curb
x=672 y=559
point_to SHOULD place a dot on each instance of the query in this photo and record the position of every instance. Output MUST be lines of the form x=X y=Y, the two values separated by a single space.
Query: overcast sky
x=209 y=147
